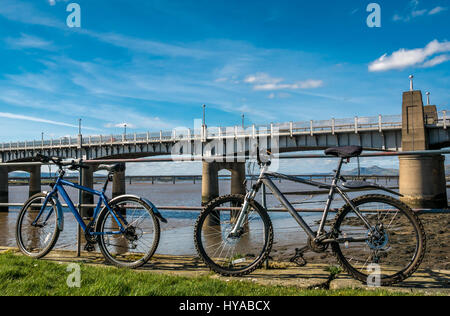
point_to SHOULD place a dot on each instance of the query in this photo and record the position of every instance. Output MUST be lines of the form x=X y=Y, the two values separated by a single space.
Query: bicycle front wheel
x=36 y=231
x=388 y=254
x=134 y=247
x=233 y=255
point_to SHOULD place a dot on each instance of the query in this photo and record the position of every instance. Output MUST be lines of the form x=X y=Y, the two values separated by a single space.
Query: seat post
x=338 y=170
x=105 y=186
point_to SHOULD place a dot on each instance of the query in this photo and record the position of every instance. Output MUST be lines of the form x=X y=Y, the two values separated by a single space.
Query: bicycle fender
x=154 y=209
x=59 y=210
x=352 y=185
x=149 y=204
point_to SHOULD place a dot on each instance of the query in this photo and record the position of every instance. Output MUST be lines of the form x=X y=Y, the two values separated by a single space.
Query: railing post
x=311 y=127
x=160 y=136
x=148 y=137
x=271 y=130
x=333 y=126
x=445 y=119
x=80 y=194
x=356 y=125
x=380 y=126
x=253 y=131
x=291 y=129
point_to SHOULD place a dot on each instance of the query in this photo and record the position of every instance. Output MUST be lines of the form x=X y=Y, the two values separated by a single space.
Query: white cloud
x=436 y=61
x=437 y=10
x=310 y=84
x=39 y=120
x=264 y=82
x=121 y=125
x=26 y=41
x=412 y=11
x=404 y=58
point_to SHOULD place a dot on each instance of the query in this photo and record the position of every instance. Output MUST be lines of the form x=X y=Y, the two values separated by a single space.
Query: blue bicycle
x=125 y=228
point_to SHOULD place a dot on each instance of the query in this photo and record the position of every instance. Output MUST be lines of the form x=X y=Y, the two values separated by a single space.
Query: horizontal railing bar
x=240 y=158
x=273 y=210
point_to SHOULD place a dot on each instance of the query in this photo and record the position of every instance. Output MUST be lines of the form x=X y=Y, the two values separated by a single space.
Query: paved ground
x=312 y=276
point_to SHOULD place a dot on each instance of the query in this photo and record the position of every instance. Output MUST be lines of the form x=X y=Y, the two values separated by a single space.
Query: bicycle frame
x=265 y=178
x=59 y=188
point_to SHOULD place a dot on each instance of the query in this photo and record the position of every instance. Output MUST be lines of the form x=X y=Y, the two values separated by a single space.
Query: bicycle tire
x=268 y=240
x=101 y=240
x=409 y=216
x=19 y=238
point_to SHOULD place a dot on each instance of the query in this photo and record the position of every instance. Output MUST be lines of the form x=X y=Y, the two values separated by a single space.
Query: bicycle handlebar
x=73 y=165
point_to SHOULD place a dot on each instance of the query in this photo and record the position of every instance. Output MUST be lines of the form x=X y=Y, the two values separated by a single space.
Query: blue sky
x=153 y=63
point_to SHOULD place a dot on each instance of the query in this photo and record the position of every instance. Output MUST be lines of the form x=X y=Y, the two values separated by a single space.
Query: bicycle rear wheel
x=37 y=240
x=390 y=255
x=237 y=255
x=138 y=243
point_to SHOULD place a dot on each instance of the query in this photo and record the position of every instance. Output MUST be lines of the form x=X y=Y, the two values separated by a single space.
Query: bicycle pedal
x=298 y=258
x=89 y=247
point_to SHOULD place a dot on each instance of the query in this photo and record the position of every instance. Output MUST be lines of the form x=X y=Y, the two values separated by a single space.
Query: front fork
x=244 y=209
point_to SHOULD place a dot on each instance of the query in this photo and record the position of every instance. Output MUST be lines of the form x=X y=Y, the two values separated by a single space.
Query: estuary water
x=177 y=234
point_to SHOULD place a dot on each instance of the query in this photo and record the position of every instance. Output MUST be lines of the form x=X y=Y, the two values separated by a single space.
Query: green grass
x=20 y=275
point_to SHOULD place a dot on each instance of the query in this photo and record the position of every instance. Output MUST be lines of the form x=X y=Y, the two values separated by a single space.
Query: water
x=177 y=234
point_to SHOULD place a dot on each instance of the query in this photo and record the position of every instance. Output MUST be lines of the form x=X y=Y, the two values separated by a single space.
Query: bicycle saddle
x=344 y=152
x=118 y=167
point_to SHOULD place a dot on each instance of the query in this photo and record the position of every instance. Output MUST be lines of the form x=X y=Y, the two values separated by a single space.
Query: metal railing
x=353 y=125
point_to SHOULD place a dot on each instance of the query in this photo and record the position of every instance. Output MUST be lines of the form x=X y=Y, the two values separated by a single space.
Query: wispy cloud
x=26 y=41
x=40 y=120
x=436 y=61
x=121 y=125
x=437 y=10
x=264 y=82
x=413 y=11
x=23 y=12
x=404 y=58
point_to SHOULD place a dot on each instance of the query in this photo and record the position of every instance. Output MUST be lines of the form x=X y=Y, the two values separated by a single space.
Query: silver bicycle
x=234 y=234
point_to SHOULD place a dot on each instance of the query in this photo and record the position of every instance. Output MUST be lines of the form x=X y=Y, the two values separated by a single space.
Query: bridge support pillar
x=422 y=178
x=422 y=181
x=35 y=180
x=87 y=180
x=119 y=184
x=3 y=188
x=210 y=187
x=238 y=178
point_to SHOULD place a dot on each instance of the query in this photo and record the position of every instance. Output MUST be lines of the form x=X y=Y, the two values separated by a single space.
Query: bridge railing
x=355 y=124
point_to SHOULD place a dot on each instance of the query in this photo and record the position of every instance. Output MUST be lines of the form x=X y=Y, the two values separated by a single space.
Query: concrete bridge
x=418 y=128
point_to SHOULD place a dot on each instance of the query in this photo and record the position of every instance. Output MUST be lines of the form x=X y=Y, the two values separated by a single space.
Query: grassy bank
x=20 y=275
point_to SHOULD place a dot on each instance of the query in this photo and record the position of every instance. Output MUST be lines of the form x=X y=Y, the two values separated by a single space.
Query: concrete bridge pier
x=3 y=188
x=210 y=182
x=422 y=178
x=35 y=180
x=119 y=184
x=422 y=181
x=87 y=180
